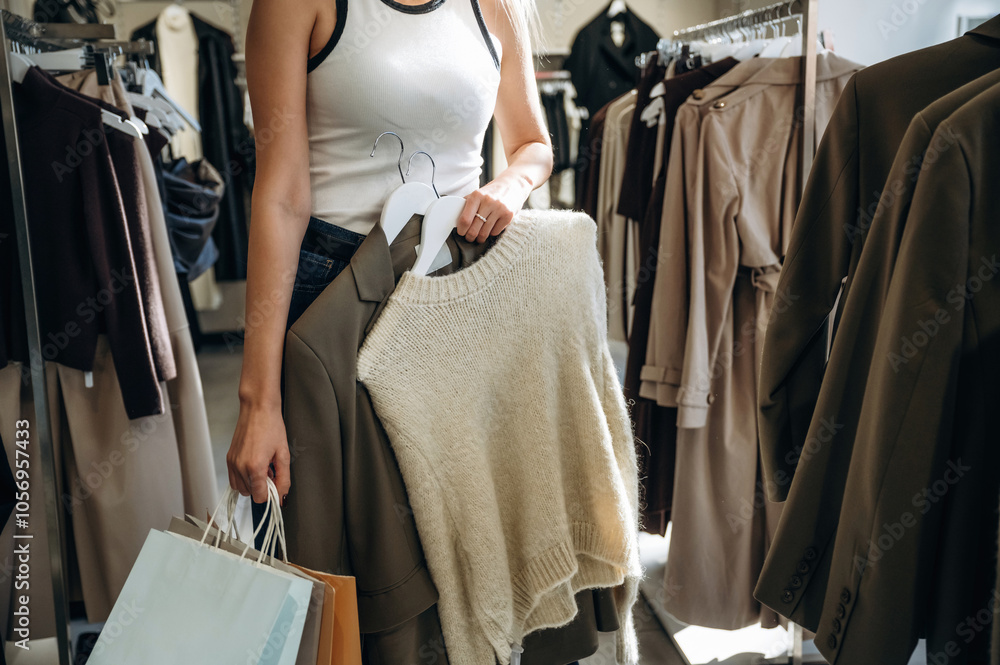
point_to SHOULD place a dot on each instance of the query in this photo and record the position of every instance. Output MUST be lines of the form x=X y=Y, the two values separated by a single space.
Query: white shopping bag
x=189 y=602
x=309 y=646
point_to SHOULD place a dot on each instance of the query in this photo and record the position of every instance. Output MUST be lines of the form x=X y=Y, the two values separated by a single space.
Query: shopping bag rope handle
x=273 y=536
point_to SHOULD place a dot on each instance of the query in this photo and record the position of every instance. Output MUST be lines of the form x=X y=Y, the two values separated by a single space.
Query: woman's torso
x=429 y=73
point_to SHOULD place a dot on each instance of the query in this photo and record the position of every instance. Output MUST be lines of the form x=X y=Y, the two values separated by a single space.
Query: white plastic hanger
x=18 y=65
x=154 y=121
x=751 y=47
x=21 y=63
x=410 y=198
x=436 y=226
x=441 y=219
x=777 y=45
x=138 y=123
x=152 y=87
x=617 y=7
x=65 y=60
x=115 y=121
x=157 y=110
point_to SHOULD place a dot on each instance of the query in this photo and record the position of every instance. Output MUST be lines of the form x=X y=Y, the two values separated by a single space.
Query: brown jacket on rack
x=843 y=192
x=809 y=523
x=348 y=512
x=123 y=155
x=926 y=435
x=84 y=267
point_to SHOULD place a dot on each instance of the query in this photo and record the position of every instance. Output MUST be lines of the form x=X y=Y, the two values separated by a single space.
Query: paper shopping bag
x=186 y=602
x=309 y=646
x=339 y=632
x=346 y=645
x=325 y=645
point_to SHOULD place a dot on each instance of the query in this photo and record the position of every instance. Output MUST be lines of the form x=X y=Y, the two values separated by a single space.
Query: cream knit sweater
x=497 y=390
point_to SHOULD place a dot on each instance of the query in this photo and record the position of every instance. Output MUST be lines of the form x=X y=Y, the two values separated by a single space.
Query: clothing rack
x=22 y=35
x=806 y=11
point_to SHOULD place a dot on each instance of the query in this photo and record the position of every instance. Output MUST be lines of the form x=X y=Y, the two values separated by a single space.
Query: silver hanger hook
x=399 y=162
x=433 y=168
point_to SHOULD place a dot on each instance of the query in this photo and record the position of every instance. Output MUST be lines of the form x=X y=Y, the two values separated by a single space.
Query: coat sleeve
x=661 y=373
x=905 y=428
x=714 y=256
x=124 y=316
x=817 y=260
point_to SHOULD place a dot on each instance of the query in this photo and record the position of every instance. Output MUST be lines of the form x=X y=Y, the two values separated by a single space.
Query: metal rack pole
x=810 y=34
x=40 y=429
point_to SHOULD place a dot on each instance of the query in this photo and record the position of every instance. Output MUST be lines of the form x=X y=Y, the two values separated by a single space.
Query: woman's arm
x=279 y=40
x=526 y=143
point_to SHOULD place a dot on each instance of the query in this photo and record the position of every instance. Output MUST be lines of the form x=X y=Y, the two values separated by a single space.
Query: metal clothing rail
x=808 y=12
x=780 y=11
x=52 y=36
x=31 y=34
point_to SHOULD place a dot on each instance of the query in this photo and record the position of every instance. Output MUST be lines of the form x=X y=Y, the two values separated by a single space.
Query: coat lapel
x=621 y=58
x=989 y=29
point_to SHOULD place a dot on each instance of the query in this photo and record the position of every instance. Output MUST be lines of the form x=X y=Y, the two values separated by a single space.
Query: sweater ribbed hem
x=544 y=590
x=509 y=249
x=542 y=574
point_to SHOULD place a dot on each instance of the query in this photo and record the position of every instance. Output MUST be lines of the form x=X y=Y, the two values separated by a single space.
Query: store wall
x=562 y=19
x=869 y=31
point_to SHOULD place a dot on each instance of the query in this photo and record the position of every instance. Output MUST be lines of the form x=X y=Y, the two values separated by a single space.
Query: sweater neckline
x=508 y=249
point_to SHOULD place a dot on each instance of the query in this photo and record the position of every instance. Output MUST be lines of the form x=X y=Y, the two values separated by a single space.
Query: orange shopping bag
x=342 y=635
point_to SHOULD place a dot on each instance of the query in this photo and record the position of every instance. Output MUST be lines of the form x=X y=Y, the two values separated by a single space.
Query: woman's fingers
x=282 y=475
x=482 y=217
x=468 y=217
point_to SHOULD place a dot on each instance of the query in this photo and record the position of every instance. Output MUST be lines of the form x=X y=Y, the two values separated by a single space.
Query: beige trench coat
x=741 y=206
x=660 y=375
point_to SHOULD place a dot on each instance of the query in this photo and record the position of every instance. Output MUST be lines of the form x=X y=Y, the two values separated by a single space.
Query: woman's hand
x=259 y=444
x=519 y=119
x=489 y=209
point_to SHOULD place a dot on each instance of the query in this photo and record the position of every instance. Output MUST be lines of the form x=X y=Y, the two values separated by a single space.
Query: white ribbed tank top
x=428 y=72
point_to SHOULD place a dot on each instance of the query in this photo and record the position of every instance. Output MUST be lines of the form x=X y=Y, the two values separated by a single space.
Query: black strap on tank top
x=338 y=30
x=486 y=32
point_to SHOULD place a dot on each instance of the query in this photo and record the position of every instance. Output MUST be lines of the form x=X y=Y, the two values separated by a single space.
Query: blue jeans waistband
x=332 y=241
